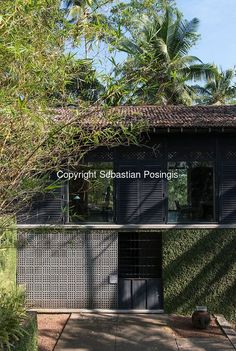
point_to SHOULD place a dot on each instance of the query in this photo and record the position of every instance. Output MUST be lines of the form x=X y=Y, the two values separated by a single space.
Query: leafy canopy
x=220 y=90
x=37 y=76
x=158 y=67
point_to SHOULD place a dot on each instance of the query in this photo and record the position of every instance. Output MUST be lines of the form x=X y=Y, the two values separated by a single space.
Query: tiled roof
x=155 y=116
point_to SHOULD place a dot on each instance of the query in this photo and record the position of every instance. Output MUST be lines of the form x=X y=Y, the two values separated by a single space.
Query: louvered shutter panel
x=46 y=208
x=228 y=193
x=140 y=200
x=152 y=198
x=127 y=197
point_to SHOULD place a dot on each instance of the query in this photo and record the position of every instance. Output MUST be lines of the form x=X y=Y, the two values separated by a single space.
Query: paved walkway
x=126 y=332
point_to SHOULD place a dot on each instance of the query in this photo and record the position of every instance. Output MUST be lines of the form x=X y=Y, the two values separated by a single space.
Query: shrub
x=29 y=340
x=12 y=317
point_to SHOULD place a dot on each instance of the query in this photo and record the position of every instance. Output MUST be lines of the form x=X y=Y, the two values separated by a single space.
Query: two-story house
x=147 y=227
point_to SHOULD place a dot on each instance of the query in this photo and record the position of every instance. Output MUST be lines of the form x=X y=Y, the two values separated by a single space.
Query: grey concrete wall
x=68 y=269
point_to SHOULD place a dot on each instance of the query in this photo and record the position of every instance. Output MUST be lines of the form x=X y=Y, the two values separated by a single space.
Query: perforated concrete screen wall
x=68 y=269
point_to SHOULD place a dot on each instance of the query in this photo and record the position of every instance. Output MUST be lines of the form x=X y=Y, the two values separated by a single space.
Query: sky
x=217 y=29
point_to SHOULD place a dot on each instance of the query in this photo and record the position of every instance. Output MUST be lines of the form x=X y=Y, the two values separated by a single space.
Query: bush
x=12 y=317
x=18 y=332
x=7 y=254
x=7 y=267
x=29 y=340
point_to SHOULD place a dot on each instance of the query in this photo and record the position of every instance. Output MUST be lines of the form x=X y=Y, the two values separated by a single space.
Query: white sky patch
x=217 y=29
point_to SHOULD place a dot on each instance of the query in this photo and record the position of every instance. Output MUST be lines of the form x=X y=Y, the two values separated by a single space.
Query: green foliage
x=84 y=84
x=33 y=70
x=37 y=77
x=29 y=341
x=91 y=25
x=220 y=90
x=32 y=51
x=7 y=233
x=158 y=66
x=124 y=15
x=199 y=269
x=7 y=267
x=7 y=253
x=12 y=317
x=12 y=310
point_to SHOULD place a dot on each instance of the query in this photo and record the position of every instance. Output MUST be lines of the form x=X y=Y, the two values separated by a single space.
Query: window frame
x=215 y=195
x=68 y=221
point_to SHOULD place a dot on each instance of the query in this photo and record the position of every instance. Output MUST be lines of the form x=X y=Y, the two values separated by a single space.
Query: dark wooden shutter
x=228 y=193
x=227 y=179
x=45 y=208
x=127 y=197
x=151 y=198
x=140 y=200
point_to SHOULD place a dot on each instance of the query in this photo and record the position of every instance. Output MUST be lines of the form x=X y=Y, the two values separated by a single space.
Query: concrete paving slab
x=122 y=332
x=228 y=329
x=143 y=332
x=89 y=333
x=197 y=344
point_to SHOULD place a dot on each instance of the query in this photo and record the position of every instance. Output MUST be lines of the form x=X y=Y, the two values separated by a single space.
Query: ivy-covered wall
x=199 y=268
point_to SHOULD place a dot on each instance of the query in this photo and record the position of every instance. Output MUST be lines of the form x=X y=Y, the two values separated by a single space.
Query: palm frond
x=185 y=36
x=228 y=76
x=162 y=49
x=129 y=47
x=196 y=72
x=200 y=90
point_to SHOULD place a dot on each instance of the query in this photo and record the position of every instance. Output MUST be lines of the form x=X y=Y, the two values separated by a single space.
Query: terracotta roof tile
x=156 y=116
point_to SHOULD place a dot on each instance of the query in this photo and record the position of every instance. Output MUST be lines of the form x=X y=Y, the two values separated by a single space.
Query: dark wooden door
x=140 y=271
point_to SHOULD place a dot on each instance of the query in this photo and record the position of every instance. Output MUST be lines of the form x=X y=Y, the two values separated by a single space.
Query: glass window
x=91 y=198
x=191 y=195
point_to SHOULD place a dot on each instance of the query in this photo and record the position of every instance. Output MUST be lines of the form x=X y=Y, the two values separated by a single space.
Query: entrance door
x=140 y=271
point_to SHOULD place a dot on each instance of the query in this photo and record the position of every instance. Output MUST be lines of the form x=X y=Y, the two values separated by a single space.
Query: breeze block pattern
x=68 y=269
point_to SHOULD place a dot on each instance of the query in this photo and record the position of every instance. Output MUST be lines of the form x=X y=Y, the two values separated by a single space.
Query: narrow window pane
x=191 y=195
x=91 y=200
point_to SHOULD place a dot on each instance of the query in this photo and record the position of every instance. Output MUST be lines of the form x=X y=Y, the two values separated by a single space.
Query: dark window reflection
x=191 y=195
x=91 y=200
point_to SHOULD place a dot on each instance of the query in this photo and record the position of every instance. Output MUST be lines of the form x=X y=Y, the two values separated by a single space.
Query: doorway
x=140 y=271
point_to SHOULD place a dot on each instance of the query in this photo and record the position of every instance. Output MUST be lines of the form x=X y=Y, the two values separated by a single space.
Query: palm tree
x=84 y=85
x=220 y=90
x=158 y=67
